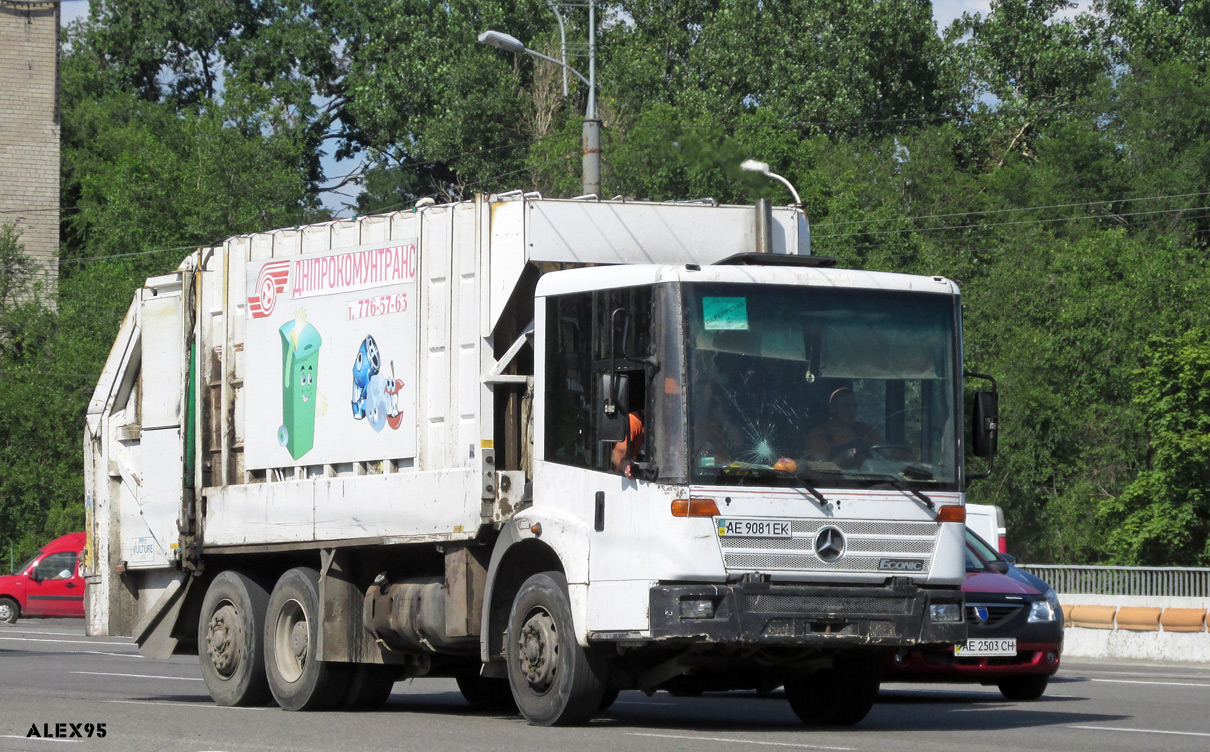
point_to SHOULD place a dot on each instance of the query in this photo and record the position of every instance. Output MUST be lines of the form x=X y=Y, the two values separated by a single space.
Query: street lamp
x=762 y=168
x=591 y=133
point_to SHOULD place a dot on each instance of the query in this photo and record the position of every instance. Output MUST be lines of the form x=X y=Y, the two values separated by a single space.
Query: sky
x=944 y=12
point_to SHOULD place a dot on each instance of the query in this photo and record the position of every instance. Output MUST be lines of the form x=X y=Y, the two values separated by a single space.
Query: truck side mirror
x=613 y=413
x=986 y=424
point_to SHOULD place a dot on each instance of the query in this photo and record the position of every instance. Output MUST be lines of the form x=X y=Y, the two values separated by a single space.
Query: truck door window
x=579 y=331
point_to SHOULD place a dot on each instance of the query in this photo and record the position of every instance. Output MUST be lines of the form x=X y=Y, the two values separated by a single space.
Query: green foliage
x=1164 y=514
x=1056 y=166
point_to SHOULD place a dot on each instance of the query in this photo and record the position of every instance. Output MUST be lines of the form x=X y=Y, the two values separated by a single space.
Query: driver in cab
x=842 y=439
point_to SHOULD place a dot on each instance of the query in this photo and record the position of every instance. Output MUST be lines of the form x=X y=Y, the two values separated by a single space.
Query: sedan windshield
x=841 y=388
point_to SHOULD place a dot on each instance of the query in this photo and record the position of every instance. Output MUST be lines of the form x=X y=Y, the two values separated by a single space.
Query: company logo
x=270 y=282
x=901 y=565
x=981 y=613
x=829 y=544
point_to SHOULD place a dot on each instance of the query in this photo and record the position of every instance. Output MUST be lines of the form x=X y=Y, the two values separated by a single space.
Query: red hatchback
x=49 y=584
x=1015 y=637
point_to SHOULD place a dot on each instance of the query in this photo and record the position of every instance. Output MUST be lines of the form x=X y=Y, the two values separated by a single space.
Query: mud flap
x=153 y=633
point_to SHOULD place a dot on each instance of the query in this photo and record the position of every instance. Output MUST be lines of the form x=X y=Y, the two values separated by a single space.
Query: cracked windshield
x=796 y=384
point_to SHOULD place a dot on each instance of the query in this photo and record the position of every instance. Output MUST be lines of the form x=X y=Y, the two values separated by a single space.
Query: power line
x=907 y=218
x=1005 y=224
x=1201 y=213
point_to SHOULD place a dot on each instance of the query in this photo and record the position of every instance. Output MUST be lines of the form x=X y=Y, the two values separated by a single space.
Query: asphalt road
x=51 y=674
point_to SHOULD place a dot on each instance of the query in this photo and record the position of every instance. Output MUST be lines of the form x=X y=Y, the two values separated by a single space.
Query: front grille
x=855 y=545
x=866 y=527
x=867 y=542
x=810 y=562
x=997 y=614
x=779 y=603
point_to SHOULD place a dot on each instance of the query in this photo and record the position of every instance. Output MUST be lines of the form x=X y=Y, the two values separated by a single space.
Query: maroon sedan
x=1015 y=637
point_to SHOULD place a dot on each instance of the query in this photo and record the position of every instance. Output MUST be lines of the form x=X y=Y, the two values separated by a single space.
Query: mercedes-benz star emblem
x=829 y=544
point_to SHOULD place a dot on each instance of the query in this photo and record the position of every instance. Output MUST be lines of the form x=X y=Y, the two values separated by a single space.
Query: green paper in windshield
x=725 y=314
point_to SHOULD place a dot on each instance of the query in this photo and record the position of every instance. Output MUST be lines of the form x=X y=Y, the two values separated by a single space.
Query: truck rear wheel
x=369 y=686
x=838 y=696
x=297 y=679
x=555 y=681
x=230 y=640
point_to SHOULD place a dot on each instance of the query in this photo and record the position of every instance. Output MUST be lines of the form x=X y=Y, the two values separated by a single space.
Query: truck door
x=580 y=473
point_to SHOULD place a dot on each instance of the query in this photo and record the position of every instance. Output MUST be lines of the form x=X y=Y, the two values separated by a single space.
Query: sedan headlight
x=1041 y=611
x=1052 y=598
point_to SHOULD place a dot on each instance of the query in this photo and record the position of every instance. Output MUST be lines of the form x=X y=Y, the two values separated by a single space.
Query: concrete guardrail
x=1142 y=613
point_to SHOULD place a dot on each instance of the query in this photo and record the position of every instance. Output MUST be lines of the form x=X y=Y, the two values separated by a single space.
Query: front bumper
x=939 y=664
x=761 y=613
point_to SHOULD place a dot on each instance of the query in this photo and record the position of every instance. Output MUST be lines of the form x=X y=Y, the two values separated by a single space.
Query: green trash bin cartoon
x=300 y=366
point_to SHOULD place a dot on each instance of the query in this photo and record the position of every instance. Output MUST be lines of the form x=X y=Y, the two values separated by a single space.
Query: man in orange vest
x=627 y=450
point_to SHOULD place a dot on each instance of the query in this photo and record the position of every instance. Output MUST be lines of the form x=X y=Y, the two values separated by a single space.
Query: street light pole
x=590 y=167
x=762 y=168
x=591 y=134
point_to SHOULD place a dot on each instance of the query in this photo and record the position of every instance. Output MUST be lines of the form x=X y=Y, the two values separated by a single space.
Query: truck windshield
x=842 y=388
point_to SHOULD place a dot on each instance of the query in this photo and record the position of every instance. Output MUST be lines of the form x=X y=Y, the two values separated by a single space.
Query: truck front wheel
x=297 y=678
x=1024 y=688
x=838 y=696
x=229 y=639
x=555 y=681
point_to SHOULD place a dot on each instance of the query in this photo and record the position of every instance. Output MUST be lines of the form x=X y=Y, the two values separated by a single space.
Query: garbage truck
x=553 y=449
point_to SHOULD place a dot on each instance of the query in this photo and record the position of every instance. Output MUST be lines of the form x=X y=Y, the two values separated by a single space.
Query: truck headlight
x=945 y=612
x=1041 y=611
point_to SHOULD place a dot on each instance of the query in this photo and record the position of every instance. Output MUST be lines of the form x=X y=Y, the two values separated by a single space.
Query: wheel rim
x=6 y=611
x=539 y=653
x=291 y=641
x=225 y=639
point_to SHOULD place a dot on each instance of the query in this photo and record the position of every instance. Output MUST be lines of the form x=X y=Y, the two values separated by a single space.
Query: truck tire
x=555 y=681
x=486 y=694
x=838 y=696
x=1024 y=688
x=369 y=686
x=297 y=680
x=9 y=611
x=230 y=640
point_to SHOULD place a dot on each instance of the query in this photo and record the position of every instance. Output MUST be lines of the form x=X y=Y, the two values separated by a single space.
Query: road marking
x=57 y=634
x=181 y=704
x=727 y=740
x=72 y=642
x=1162 y=684
x=40 y=738
x=1154 y=676
x=117 y=655
x=139 y=676
x=1143 y=731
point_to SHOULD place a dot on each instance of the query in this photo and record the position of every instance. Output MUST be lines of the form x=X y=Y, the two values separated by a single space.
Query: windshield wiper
x=897 y=483
x=758 y=470
x=812 y=489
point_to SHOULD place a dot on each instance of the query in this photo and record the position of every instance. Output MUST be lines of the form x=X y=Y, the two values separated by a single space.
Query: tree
x=1163 y=516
